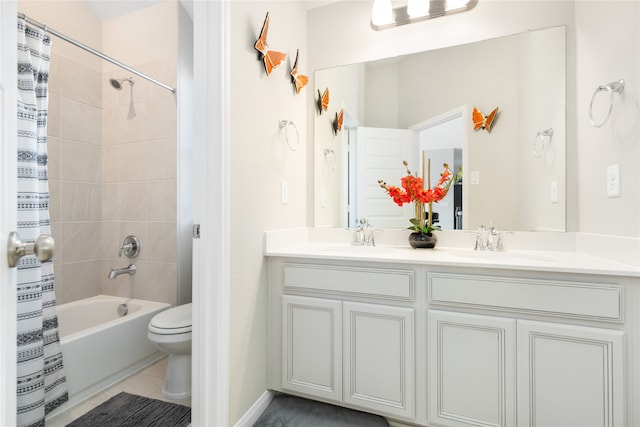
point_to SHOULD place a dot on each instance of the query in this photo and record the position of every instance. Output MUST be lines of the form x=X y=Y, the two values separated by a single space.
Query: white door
x=312 y=346
x=8 y=212
x=379 y=155
x=570 y=376
x=471 y=370
x=379 y=371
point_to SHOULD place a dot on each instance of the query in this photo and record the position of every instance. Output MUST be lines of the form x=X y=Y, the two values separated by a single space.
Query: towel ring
x=330 y=158
x=284 y=124
x=614 y=87
x=538 y=143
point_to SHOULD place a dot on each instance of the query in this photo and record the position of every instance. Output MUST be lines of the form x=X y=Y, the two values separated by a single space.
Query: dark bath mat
x=291 y=411
x=127 y=409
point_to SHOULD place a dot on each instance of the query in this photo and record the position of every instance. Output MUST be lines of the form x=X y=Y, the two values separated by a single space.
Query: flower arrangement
x=413 y=191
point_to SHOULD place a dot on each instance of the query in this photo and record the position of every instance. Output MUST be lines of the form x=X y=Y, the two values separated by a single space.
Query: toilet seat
x=174 y=321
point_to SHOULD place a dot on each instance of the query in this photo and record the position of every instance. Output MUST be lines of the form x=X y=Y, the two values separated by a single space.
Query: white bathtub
x=99 y=347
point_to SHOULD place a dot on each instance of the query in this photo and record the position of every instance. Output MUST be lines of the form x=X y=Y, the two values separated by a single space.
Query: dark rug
x=290 y=411
x=127 y=409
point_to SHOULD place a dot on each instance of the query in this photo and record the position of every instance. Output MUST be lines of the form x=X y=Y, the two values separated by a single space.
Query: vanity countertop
x=534 y=260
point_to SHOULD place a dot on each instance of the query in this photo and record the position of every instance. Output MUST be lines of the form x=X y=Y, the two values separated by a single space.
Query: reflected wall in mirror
x=396 y=108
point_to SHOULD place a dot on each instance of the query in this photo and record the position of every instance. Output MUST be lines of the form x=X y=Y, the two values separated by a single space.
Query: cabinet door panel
x=570 y=376
x=379 y=358
x=312 y=346
x=471 y=370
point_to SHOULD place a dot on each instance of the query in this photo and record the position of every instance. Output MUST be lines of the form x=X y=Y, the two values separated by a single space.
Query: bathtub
x=99 y=347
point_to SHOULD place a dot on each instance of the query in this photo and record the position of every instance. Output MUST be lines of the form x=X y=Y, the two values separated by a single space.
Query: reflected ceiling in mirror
x=504 y=183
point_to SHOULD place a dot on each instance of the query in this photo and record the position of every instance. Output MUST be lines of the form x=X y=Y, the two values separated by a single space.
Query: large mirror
x=421 y=104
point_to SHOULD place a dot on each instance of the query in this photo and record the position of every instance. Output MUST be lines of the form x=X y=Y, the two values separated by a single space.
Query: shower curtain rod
x=93 y=51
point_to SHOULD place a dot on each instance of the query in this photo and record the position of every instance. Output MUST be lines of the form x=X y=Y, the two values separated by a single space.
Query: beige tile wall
x=75 y=177
x=111 y=176
x=139 y=185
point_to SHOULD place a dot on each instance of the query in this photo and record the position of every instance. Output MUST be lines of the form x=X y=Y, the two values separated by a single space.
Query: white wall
x=598 y=52
x=607 y=49
x=260 y=160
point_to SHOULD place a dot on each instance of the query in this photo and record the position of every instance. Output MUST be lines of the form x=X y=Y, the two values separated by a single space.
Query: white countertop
x=565 y=261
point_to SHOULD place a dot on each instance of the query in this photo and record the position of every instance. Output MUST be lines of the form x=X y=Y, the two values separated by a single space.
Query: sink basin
x=504 y=256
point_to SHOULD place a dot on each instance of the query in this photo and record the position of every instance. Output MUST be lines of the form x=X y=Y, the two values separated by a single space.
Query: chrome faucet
x=493 y=241
x=130 y=270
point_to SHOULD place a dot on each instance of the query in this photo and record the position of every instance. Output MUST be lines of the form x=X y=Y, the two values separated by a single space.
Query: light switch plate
x=284 y=192
x=554 y=191
x=475 y=177
x=613 y=180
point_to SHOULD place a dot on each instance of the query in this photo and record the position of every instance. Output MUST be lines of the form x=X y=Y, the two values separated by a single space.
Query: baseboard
x=251 y=416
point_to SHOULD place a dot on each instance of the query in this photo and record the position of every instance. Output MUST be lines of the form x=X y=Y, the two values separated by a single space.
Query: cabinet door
x=312 y=346
x=379 y=358
x=471 y=370
x=570 y=376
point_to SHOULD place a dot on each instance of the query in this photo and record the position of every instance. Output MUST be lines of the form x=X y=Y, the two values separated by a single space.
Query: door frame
x=210 y=386
x=211 y=252
x=8 y=213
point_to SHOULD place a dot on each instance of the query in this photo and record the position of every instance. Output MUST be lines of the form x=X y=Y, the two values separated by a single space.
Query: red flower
x=413 y=188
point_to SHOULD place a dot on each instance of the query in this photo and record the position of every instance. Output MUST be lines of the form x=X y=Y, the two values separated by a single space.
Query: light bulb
x=417 y=8
x=382 y=12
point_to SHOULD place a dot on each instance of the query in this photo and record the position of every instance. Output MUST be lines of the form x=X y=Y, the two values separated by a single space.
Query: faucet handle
x=479 y=246
x=130 y=246
x=500 y=243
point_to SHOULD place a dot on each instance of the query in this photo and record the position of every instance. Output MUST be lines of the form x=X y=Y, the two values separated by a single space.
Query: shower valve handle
x=42 y=248
x=130 y=246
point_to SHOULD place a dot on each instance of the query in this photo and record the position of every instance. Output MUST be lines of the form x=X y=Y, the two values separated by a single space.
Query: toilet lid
x=176 y=320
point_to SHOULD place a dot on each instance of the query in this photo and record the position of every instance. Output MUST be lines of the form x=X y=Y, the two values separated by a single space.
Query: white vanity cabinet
x=472 y=376
x=312 y=346
x=344 y=335
x=379 y=358
x=483 y=370
x=457 y=346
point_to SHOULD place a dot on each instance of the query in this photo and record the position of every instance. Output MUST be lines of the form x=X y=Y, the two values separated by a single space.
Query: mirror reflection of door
x=378 y=154
x=441 y=141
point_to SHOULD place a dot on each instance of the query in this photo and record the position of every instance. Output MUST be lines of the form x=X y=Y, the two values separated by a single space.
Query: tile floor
x=147 y=382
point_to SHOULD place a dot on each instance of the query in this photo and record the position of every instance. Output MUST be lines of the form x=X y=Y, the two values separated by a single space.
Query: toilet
x=170 y=331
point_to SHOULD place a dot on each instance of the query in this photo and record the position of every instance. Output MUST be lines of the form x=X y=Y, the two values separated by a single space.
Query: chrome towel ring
x=614 y=87
x=284 y=124
x=539 y=144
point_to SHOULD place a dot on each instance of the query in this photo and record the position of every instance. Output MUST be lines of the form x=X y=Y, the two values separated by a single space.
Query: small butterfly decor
x=271 y=58
x=482 y=122
x=323 y=100
x=337 y=122
x=299 y=80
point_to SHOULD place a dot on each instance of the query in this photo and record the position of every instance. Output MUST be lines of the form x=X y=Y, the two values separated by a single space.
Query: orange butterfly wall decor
x=337 y=122
x=298 y=79
x=271 y=58
x=323 y=100
x=482 y=122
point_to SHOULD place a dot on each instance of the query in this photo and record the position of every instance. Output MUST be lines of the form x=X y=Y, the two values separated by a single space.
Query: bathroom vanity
x=453 y=337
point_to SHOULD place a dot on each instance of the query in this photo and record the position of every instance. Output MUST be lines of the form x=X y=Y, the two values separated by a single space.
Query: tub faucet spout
x=130 y=270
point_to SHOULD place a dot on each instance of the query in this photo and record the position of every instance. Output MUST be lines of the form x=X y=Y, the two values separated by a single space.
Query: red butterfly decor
x=323 y=100
x=482 y=122
x=271 y=58
x=298 y=79
x=337 y=122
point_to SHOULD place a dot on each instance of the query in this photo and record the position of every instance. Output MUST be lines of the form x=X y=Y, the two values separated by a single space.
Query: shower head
x=117 y=83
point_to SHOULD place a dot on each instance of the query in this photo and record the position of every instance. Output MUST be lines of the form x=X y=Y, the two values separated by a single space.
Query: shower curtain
x=41 y=384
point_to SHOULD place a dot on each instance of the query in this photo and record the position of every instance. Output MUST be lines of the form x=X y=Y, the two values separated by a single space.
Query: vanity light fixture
x=384 y=16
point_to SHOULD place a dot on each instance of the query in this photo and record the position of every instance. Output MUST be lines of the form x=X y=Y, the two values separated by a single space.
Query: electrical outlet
x=284 y=192
x=613 y=181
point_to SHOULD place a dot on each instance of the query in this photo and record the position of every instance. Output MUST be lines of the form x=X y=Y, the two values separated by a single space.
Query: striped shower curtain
x=41 y=384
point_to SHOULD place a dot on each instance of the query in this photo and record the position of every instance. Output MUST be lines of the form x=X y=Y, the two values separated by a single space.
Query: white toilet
x=170 y=331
